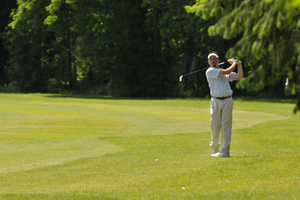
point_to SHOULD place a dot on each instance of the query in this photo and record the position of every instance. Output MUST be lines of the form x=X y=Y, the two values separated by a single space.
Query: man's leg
x=226 y=125
x=215 y=124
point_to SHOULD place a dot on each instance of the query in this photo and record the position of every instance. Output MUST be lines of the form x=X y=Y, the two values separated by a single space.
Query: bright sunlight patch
x=245 y=119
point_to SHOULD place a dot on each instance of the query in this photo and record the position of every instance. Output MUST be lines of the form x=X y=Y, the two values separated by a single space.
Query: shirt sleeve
x=212 y=73
x=231 y=76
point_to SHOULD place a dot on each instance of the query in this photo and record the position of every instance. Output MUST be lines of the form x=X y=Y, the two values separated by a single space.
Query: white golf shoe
x=219 y=154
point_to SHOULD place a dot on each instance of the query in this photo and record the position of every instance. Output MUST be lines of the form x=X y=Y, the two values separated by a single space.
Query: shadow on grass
x=82 y=96
x=265 y=99
x=253 y=99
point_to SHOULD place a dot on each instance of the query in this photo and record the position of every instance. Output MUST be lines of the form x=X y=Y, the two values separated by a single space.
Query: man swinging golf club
x=221 y=101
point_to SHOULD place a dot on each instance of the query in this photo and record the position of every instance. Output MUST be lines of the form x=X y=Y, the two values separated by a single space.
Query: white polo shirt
x=219 y=85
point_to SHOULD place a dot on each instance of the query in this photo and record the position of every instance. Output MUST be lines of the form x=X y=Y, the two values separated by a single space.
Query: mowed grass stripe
x=29 y=155
x=107 y=149
x=102 y=120
x=183 y=162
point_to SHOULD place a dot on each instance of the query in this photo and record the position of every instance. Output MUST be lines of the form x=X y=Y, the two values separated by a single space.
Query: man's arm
x=229 y=69
x=240 y=74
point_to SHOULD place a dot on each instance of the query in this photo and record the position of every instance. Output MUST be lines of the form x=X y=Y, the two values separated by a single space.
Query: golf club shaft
x=222 y=63
x=181 y=76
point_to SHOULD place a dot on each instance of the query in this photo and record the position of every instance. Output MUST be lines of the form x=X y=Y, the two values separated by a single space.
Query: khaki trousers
x=221 y=117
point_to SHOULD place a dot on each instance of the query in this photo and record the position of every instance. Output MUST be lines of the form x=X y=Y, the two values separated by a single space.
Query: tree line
x=125 y=48
x=140 y=48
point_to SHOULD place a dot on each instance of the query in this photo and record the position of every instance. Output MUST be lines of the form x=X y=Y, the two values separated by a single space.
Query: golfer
x=221 y=102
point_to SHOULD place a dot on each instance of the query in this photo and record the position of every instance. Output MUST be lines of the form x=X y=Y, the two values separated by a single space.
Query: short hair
x=214 y=52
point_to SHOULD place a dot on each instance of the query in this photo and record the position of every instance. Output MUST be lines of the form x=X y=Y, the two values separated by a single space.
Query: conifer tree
x=268 y=38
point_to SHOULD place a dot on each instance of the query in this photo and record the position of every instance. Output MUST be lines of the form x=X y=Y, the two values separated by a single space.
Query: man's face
x=213 y=61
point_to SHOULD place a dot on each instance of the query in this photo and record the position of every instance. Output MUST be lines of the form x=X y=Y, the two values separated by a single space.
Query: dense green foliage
x=139 y=48
x=268 y=38
x=5 y=9
x=126 y=48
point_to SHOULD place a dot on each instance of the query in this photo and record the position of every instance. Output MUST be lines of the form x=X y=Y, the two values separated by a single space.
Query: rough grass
x=60 y=147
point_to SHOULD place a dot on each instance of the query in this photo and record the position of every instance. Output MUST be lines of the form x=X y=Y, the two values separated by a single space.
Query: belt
x=221 y=98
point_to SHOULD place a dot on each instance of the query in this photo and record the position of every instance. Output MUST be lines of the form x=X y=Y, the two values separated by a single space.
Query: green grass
x=60 y=147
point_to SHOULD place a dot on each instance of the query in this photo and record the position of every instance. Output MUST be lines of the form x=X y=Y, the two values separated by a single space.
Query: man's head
x=213 y=59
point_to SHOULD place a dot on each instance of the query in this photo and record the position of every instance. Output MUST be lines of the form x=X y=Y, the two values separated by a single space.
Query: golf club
x=222 y=63
x=180 y=77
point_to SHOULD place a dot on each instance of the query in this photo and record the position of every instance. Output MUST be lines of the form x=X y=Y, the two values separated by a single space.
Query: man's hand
x=231 y=60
